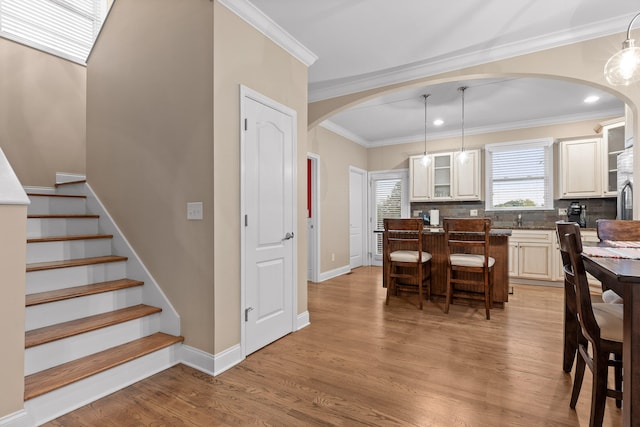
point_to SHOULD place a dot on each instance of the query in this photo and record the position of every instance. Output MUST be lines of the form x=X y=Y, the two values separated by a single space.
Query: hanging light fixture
x=623 y=68
x=426 y=160
x=462 y=157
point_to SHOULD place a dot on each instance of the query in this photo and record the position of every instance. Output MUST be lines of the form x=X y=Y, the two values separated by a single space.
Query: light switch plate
x=562 y=211
x=194 y=210
x=473 y=212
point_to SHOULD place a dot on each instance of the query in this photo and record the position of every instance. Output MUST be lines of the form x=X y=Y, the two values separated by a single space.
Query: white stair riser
x=49 y=280
x=41 y=315
x=48 y=227
x=75 y=189
x=52 y=405
x=69 y=249
x=61 y=351
x=41 y=205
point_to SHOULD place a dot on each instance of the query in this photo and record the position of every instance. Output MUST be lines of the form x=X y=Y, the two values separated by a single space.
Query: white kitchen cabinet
x=530 y=254
x=444 y=178
x=420 y=188
x=580 y=168
x=612 y=145
x=466 y=176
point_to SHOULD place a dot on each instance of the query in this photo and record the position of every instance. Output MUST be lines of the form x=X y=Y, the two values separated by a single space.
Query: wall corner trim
x=302 y=321
x=334 y=273
x=261 y=22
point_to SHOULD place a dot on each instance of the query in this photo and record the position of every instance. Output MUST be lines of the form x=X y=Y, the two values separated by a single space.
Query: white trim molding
x=261 y=22
x=334 y=273
x=17 y=419
x=303 y=321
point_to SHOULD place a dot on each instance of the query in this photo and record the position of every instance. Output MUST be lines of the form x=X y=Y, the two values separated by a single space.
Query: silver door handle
x=288 y=236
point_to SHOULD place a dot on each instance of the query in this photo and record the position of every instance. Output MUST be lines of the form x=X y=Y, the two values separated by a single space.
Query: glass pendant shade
x=623 y=68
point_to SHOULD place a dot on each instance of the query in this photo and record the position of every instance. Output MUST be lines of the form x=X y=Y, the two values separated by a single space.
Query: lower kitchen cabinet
x=588 y=237
x=530 y=254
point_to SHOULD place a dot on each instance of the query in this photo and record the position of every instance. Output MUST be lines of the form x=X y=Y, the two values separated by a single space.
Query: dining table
x=618 y=268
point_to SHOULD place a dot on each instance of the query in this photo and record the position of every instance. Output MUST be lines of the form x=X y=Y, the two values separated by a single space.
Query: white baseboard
x=198 y=359
x=334 y=273
x=39 y=190
x=302 y=321
x=227 y=359
x=17 y=419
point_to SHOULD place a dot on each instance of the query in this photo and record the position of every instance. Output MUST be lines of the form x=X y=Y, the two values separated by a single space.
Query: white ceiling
x=362 y=44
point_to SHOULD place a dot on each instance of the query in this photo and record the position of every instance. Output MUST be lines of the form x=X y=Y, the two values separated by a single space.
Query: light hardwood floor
x=363 y=363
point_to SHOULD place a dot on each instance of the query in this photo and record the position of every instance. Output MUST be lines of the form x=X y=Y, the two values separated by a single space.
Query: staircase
x=88 y=329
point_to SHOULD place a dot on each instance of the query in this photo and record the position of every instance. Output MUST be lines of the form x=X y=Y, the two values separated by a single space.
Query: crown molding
x=319 y=91
x=331 y=126
x=261 y=22
x=569 y=118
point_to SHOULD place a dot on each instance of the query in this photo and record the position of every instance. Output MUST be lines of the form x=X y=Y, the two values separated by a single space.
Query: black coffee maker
x=577 y=213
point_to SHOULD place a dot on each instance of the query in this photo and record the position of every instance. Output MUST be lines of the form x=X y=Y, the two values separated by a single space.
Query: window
x=519 y=175
x=389 y=200
x=66 y=28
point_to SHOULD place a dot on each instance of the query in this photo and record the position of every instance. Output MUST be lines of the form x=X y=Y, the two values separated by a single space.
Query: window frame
x=374 y=233
x=547 y=144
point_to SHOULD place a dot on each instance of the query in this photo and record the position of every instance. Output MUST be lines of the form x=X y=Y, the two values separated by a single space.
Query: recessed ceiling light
x=438 y=122
x=591 y=99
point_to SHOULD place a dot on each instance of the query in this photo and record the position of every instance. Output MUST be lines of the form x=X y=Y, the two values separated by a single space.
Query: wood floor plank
x=80 y=291
x=361 y=362
x=50 y=265
x=59 y=376
x=75 y=327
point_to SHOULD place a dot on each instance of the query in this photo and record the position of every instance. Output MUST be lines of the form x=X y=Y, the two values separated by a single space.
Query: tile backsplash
x=596 y=208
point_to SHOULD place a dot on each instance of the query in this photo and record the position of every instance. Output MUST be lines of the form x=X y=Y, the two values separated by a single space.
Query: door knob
x=288 y=236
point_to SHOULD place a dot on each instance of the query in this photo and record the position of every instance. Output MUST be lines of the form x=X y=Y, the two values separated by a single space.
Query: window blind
x=388 y=200
x=66 y=28
x=519 y=175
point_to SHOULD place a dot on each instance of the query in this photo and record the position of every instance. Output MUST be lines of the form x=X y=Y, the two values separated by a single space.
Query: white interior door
x=357 y=216
x=269 y=223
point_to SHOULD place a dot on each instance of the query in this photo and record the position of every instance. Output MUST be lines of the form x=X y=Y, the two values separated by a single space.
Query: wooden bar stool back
x=601 y=326
x=406 y=264
x=618 y=230
x=469 y=264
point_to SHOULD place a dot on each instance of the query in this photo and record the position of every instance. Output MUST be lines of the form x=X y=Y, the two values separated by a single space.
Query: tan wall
x=337 y=154
x=396 y=156
x=244 y=56
x=13 y=229
x=42 y=113
x=150 y=145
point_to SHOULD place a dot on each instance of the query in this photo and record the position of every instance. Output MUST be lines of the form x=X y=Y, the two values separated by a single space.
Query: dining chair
x=571 y=325
x=469 y=265
x=618 y=230
x=601 y=326
x=406 y=264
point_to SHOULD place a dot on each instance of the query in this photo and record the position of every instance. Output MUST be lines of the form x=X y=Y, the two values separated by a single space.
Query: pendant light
x=426 y=160
x=462 y=157
x=623 y=68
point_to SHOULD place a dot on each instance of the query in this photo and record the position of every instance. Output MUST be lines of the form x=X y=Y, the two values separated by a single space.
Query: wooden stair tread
x=63 y=216
x=75 y=196
x=59 y=376
x=50 y=265
x=67 y=238
x=62 y=184
x=80 y=291
x=86 y=324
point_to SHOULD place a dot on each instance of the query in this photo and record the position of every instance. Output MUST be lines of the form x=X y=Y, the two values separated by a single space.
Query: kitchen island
x=434 y=243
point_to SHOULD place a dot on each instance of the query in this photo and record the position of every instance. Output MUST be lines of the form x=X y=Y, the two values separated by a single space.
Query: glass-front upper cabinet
x=442 y=174
x=613 y=144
